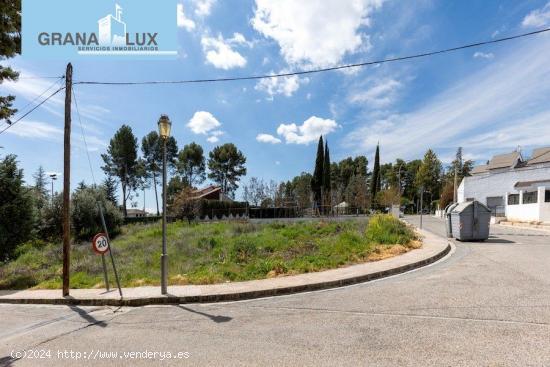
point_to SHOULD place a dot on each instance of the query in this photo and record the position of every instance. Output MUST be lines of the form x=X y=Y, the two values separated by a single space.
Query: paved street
x=487 y=304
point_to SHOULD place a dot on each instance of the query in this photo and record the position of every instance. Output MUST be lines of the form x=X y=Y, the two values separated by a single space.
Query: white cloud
x=220 y=54
x=213 y=139
x=381 y=94
x=204 y=7
x=483 y=55
x=267 y=138
x=36 y=130
x=537 y=18
x=315 y=33
x=499 y=107
x=308 y=132
x=203 y=122
x=183 y=21
x=283 y=85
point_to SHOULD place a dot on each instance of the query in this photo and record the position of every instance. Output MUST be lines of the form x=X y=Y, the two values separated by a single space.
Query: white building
x=112 y=30
x=512 y=186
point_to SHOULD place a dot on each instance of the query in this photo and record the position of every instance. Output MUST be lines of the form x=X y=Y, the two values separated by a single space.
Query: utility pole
x=67 y=181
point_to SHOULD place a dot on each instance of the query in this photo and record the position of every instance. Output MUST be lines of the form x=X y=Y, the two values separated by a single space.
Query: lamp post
x=164 y=131
x=53 y=177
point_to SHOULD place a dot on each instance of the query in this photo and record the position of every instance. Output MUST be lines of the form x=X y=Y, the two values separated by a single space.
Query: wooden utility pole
x=67 y=181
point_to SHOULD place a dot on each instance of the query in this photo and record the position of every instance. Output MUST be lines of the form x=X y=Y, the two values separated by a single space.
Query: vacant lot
x=215 y=252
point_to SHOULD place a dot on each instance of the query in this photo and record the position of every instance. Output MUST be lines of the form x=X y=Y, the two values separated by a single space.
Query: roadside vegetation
x=219 y=252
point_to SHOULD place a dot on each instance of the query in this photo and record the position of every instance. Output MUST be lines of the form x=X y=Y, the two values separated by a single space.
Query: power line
x=42 y=94
x=40 y=77
x=348 y=66
x=84 y=138
x=31 y=110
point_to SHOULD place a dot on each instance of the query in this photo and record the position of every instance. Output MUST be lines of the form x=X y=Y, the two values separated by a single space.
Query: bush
x=50 y=226
x=387 y=230
x=85 y=213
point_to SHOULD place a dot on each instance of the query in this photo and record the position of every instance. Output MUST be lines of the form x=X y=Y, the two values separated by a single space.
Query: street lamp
x=53 y=177
x=164 y=131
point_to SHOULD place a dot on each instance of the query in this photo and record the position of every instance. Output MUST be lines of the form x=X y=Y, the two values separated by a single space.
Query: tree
x=191 y=164
x=17 y=216
x=429 y=174
x=301 y=187
x=151 y=148
x=10 y=46
x=317 y=179
x=226 y=165
x=375 y=179
x=326 y=175
x=40 y=182
x=86 y=217
x=121 y=162
x=109 y=188
x=255 y=191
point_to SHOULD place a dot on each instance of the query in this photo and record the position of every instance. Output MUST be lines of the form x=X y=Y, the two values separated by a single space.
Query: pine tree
x=375 y=179
x=109 y=187
x=226 y=164
x=10 y=46
x=121 y=162
x=326 y=175
x=317 y=179
x=40 y=184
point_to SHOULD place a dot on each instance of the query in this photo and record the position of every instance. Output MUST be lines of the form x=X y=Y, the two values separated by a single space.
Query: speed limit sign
x=100 y=244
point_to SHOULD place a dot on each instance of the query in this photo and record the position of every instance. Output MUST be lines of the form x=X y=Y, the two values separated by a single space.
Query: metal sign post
x=109 y=247
x=100 y=245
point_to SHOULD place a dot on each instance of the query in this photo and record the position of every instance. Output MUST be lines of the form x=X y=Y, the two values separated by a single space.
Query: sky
x=488 y=100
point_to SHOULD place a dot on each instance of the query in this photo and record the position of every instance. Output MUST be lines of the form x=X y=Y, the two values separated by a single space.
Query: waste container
x=470 y=221
x=447 y=217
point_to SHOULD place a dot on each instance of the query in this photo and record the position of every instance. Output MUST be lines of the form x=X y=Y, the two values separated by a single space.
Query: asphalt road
x=487 y=304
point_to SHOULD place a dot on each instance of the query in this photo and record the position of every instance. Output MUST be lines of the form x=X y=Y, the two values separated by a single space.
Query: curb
x=227 y=297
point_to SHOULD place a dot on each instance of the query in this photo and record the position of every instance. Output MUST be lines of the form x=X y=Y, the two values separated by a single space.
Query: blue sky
x=487 y=100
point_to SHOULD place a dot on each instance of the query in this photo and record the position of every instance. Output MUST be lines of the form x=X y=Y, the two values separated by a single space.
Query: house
x=512 y=186
x=210 y=193
x=136 y=213
x=112 y=30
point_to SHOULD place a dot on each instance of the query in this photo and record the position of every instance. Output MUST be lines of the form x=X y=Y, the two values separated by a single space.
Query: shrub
x=85 y=214
x=386 y=230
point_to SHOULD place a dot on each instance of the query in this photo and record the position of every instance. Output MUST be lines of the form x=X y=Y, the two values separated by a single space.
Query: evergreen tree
x=226 y=165
x=191 y=164
x=121 y=162
x=109 y=188
x=317 y=179
x=40 y=183
x=429 y=174
x=10 y=46
x=375 y=179
x=17 y=216
x=326 y=176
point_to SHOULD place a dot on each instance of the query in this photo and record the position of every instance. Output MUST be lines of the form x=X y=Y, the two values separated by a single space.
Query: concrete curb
x=232 y=296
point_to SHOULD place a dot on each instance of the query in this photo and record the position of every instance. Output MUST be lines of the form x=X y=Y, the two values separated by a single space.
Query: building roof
x=479 y=169
x=524 y=184
x=200 y=193
x=507 y=160
x=540 y=155
x=136 y=211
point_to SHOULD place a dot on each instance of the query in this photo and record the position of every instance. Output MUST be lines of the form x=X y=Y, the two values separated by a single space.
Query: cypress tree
x=317 y=179
x=326 y=174
x=375 y=180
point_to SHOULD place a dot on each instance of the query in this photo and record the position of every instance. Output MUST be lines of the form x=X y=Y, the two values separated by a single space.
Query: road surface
x=487 y=304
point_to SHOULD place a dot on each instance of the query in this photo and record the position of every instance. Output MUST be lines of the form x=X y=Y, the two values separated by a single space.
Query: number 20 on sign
x=100 y=244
